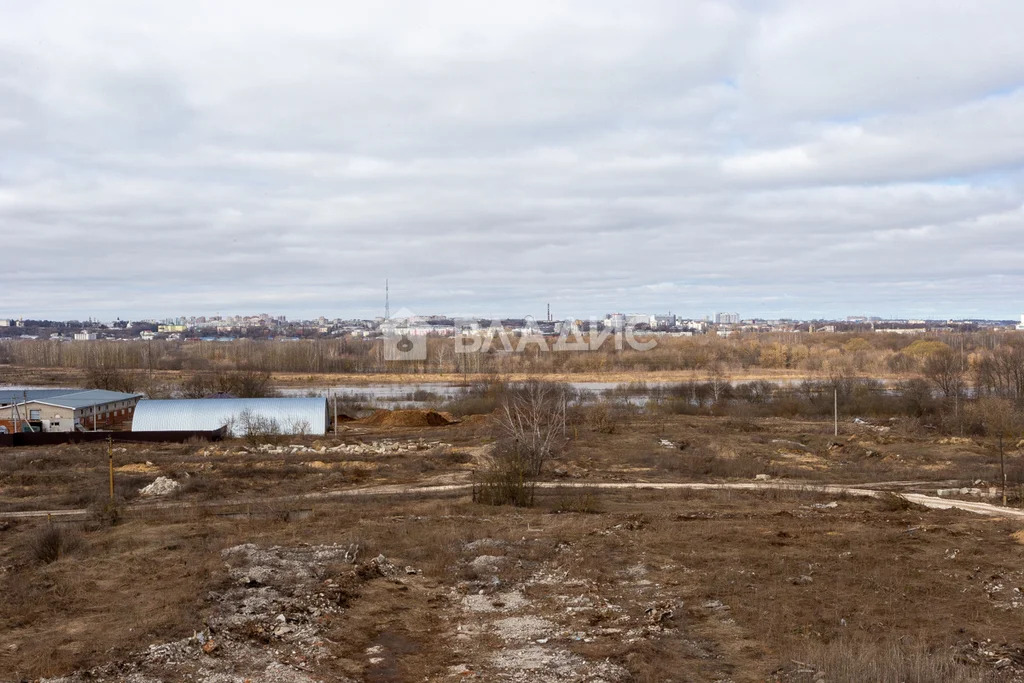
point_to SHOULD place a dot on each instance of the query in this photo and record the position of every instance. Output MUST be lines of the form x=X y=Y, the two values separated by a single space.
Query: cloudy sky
x=774 y=158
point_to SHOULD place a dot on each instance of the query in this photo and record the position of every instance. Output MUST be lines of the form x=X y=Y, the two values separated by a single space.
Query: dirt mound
x=477 y=420
x=409 y=418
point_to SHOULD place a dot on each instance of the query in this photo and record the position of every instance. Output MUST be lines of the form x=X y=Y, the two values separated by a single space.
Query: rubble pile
x=161 y=486
x=385 y=447
x=267 y=624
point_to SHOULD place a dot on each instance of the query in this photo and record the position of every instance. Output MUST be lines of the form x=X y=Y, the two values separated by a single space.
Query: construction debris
x=162 y=486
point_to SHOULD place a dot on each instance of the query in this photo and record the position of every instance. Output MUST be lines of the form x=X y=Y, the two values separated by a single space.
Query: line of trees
x=990 y=364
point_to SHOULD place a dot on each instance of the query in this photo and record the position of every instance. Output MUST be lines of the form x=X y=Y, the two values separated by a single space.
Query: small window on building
x=34 y=415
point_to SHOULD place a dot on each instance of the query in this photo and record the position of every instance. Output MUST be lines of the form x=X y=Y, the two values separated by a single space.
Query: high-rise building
x=727 y=318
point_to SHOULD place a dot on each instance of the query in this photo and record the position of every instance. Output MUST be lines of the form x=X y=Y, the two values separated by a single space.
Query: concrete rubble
x=161 y=486
x=268 y=623
x=385 y=447
x=990 y=492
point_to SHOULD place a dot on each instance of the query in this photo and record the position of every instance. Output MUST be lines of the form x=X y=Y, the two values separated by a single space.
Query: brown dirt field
x=587 y=585
x=695 y=586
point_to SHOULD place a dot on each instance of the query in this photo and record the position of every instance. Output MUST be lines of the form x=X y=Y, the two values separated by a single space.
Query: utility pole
x=835 y=403
x=963 y=372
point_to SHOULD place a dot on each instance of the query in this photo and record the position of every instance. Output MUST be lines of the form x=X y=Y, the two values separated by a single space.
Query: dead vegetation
x=52 y=542
x=690 y=586
x=629 y=585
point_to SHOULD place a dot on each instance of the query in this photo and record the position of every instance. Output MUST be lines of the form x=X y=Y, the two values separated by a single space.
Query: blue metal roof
x=65 y=398
x=290 y=415
x=9 y=396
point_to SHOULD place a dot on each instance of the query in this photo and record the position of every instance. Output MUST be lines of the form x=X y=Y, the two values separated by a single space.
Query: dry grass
x=889 y=661
x=145 y=582
x=135 y=585
x=863 y=590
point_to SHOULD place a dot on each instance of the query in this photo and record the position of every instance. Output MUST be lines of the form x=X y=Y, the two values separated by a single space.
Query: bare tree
x=1002 y=420
x=718 y=380
x=531 y=424
x=256 y=429
x=945 y=369
x=1000 y=372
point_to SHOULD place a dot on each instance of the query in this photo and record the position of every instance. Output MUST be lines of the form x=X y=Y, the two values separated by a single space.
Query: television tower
x=387 y=301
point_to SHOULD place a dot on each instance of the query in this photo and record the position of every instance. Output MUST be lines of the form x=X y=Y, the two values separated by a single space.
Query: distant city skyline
x=716 y=317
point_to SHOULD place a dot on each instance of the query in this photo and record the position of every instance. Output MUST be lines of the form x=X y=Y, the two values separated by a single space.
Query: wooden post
x=1002 y=467
x=110 y=455
x=835 y=399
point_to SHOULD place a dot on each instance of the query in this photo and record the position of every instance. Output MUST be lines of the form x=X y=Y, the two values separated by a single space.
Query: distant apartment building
x=662 y=322
x=616 y=321
x=636 y=319
x=727 y=318
x=901 y=330
x=85 y=336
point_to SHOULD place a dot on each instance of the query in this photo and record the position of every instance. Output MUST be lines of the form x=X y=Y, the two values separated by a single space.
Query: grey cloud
x=786 y=158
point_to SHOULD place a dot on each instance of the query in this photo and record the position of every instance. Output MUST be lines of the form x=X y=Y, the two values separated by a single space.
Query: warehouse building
x=240 y=415
x=65 y=410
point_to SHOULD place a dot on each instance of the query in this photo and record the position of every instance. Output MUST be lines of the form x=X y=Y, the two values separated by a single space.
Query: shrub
x=506 y=481
x=894 y=502
x=256 y=429
x=471 y=405
x=605 y=417
x=53 y=542
x=105 y=512
x=580 y=503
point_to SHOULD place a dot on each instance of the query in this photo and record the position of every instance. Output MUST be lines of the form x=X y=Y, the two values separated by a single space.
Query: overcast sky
x=773 y=158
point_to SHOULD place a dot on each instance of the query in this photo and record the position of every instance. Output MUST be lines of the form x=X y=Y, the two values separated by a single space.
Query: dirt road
x=933 y=502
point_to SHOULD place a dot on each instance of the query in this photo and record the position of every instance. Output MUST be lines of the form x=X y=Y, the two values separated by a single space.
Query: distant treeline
x=987 y=362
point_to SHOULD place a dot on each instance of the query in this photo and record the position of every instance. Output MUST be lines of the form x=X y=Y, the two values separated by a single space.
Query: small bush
x=604 y=417
x=506 y=481
x=580 y=503
x=53 y=542
x=471 y=405
x=257 y=429
x=105 y=513
x=894 y=502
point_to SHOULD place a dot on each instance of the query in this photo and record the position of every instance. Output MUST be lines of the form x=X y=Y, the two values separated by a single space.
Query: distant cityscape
x=279 y=327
